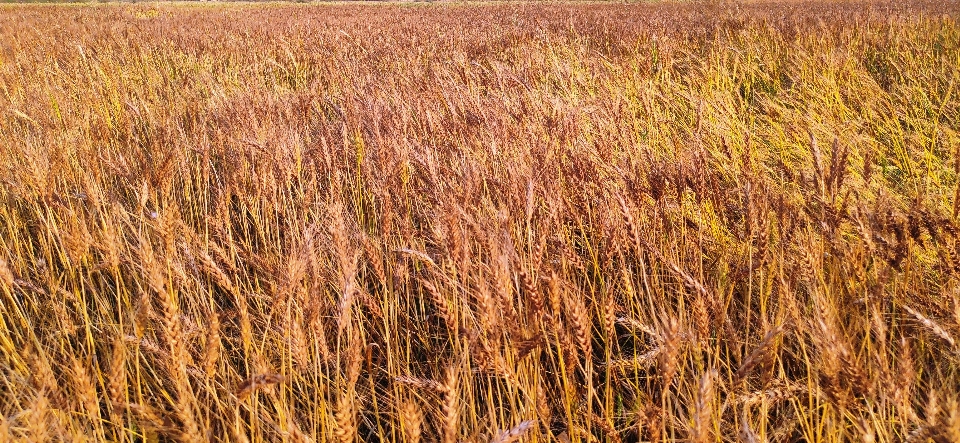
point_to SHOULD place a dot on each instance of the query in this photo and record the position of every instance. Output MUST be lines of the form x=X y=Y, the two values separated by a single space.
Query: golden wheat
x=542 y=222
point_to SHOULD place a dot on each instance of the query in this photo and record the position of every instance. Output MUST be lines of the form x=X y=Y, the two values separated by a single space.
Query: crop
x=540 y=222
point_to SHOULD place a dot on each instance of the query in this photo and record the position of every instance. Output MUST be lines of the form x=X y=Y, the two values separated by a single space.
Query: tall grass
x=517 y=222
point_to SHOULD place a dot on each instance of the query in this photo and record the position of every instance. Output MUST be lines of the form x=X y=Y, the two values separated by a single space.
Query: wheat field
x=452 y=222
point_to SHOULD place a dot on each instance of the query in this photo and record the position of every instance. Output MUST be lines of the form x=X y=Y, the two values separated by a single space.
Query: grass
x=545 y=222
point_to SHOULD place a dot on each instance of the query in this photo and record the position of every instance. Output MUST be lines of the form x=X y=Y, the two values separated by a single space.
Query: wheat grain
x=932 y=326
x=513 y=434
x=412 y=418
x=451 y=407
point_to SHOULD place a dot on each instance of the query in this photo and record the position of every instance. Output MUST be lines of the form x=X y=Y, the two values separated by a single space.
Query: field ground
x=549 y=222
